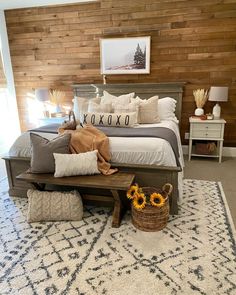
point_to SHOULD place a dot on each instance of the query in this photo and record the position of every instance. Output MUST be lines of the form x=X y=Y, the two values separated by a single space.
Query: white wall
x=11 y=111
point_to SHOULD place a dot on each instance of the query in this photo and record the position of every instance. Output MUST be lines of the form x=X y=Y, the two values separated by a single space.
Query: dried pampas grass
x=200 y=96
x=57 y=96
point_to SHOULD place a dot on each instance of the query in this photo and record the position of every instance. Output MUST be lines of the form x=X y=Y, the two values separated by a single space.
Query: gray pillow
x=54 y=206
x=42 y=160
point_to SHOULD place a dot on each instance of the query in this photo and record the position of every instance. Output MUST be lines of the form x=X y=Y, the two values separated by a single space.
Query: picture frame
x=125 y=55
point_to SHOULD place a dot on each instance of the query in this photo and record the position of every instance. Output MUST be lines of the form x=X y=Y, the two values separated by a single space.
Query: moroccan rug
x=194 y=254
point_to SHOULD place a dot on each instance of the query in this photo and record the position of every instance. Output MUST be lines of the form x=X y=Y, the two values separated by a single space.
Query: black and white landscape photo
x=125 y=55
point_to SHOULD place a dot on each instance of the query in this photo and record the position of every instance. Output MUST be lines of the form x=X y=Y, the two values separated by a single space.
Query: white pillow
x=122 y=99
x=127 y=108
x=80 y=105
x=76 y=164
x=94 y=107
x=148 y=110
x=111 y=119
x=166 y=109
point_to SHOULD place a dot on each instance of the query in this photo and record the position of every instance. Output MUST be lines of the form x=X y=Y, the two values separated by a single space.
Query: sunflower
x=139 y=201
x=132 y=192
x=157 y=200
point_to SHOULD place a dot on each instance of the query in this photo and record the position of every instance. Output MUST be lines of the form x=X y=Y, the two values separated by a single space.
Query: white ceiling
x=12 y=4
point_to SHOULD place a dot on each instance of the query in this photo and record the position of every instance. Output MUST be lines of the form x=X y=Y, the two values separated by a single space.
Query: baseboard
x=227 y=151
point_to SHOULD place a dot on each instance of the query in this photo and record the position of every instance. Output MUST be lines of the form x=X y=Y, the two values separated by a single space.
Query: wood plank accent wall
x=192 y=41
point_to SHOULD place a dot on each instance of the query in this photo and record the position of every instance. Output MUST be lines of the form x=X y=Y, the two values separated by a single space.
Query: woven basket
x=152 y=218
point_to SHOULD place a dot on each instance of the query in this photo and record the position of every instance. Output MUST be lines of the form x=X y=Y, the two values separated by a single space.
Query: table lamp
x=42 y=95
x=218 y=94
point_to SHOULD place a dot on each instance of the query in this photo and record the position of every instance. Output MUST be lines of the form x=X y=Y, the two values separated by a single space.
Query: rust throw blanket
x=90 y=138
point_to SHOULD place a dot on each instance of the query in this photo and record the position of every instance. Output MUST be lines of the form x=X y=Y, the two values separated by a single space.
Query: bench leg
x=174 y=204
x=118 y=209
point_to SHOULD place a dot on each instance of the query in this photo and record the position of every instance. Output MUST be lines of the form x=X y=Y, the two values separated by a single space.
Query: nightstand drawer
x=206 y=134
x=205 y=130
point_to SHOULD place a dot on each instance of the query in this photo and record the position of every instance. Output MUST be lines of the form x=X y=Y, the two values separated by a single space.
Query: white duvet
x=132 y=150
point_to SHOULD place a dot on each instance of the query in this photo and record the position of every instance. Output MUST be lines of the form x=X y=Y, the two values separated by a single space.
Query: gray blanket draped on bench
x=157 y=132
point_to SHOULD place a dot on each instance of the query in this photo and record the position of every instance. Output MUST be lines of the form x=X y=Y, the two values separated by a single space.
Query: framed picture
x=125 y=55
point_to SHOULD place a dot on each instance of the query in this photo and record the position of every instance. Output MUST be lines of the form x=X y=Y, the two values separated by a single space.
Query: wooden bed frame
x=145 y=175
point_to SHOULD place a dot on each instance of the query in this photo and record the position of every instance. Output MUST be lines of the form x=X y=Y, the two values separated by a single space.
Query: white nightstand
x=52 y=120
x=206 y=130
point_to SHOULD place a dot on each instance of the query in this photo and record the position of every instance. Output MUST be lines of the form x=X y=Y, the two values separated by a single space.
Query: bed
x=150 y=168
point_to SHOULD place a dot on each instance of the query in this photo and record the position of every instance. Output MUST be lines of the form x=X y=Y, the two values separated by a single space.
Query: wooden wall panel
x=192 y=41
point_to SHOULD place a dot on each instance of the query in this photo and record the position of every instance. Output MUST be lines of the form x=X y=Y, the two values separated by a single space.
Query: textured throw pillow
x=54 y=206
x=122 y=99
x=94 y=107
x=42 y=160
x=76 y=164
x=148 y=110
x=166 y=109
x=128 y=108
x=80 y=105
x=111 y=119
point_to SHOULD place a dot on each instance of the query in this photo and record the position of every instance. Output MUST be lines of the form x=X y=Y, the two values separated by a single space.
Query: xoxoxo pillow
x=111 y=119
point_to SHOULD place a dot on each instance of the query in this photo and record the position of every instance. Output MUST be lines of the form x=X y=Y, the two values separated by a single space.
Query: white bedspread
x=133 y=150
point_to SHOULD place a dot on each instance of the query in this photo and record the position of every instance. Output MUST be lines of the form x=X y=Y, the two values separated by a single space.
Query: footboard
x=15 y=166
x=157 y=176
x=145 y=175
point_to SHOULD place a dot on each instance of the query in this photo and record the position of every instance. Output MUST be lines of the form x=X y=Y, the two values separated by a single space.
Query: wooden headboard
x=143 y=90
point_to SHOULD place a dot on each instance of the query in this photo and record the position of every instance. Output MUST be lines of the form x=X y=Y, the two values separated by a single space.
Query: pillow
x=80 y=105
x=54 y=206
x=148 y=110
x=122 y=99
x=166 y=109
x=42 y=160
x=128 y=108
x=76 y=164
x=111 y=119
x=93 y=107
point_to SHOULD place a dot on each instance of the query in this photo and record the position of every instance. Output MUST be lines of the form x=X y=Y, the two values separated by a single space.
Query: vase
x=58 y=108
x=199 y=112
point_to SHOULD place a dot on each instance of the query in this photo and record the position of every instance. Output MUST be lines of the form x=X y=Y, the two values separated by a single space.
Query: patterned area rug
x=194 y=254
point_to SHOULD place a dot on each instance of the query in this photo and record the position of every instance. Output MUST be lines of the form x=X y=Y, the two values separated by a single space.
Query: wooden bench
x=120 y=181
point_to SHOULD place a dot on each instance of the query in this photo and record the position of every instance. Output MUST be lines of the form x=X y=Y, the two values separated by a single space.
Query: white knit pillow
x=76 y=164
x=54 y=206
x=110 y=119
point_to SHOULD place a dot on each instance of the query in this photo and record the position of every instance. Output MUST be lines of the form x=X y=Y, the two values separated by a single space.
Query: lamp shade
x=42 y=94
x=218 y=93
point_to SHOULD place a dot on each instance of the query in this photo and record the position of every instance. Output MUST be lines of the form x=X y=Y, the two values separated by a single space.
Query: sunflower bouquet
x=140 y=198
